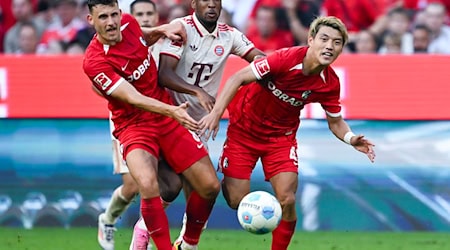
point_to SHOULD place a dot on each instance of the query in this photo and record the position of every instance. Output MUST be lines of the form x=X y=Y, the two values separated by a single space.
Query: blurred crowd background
x=375 y=26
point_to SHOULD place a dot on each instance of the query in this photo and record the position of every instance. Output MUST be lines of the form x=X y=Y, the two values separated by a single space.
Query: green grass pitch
x=213 y=239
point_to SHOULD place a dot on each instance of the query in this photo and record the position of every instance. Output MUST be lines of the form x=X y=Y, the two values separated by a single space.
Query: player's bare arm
x=254 y=54
x=343 y=132
x=174 y=31
x=127 y=93
x=169 y=79
x=209 y=124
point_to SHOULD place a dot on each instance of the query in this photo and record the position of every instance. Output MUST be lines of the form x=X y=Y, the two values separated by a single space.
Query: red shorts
x=241 y=152
x=180 y=147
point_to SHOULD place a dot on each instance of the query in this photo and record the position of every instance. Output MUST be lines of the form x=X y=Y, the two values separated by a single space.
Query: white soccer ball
x=259 y=212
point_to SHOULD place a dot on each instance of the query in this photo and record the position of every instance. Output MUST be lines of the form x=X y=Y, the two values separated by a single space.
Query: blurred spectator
x=299 y=15
x=392 y=44
x=23 y=12
x=84 y=36
x=45 y=13
x=366 y=43
x=57 y=36
x=421 y=38
x=399 y=23
x=176 y=11
x=266 y=35
x=434 y=19
x=28 y=39
x=2 y=29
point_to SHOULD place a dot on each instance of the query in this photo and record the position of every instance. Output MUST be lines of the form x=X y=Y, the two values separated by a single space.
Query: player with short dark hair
x=121 y=68
x=264 y=118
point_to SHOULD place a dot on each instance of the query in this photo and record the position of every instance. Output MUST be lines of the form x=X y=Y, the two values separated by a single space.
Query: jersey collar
x=201 y=30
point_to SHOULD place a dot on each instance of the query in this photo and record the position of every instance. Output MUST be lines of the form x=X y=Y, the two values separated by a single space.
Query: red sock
x=197 y=212
x=156 y=221
x=281 y=236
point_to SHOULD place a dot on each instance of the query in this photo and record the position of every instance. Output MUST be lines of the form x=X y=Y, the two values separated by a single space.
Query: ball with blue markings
x=259 y=212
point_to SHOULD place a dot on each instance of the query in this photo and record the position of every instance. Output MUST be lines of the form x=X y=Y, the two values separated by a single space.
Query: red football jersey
x=271 y=107
x=130 y=59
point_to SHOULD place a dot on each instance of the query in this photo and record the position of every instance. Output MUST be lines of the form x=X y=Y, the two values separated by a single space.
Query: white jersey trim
x=255 y=71
x=333 y=114
x=115 y=86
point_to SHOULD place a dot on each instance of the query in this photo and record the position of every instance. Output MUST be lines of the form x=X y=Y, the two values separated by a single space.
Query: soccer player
x=192 y=71
x=121 y=68
x=264 y=117
x=146 y=15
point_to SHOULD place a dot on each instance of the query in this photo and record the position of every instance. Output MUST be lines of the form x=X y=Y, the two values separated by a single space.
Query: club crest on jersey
x=143 y=41
x=219 y=50
x=306 y=94
x=103 y=80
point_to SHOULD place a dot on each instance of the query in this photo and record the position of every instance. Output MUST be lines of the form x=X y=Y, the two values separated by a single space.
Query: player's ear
x=90 y=19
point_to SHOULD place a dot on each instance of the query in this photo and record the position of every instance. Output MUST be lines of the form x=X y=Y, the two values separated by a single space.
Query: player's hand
x=209 y=125
x=175 y=31
x=206 y=100
x=363 y=145
x=180 y=114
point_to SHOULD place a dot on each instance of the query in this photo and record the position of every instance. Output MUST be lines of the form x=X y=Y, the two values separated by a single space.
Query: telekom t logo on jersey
x=201 y=67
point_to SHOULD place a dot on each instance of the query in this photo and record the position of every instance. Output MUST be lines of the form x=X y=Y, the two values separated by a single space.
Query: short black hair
x=141 y=1
x=92 y=3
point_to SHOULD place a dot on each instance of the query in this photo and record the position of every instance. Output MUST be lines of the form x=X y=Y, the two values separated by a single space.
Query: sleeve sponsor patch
x=262 y=67
x=103 y=80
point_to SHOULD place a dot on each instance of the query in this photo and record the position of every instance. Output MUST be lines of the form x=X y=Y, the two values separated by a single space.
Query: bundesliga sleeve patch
x=262 y=67
x=103 y=80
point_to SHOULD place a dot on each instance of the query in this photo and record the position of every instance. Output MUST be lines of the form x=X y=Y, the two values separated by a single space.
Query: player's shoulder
x=223 y=27
x=93 y=56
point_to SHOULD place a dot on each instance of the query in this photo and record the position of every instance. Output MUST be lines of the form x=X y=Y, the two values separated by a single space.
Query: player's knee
x=170 y=192
x=287 y=199
x=210 y=190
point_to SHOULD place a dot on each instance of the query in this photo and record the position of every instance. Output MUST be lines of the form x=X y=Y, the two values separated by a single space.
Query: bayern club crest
x=219 y=50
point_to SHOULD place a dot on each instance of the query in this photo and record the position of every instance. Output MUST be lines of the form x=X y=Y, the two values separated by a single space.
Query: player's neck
x=311 y=66
x=109 y=42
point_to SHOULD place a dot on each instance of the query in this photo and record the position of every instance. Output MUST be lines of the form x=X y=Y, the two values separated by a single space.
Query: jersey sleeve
x=330 y=102
x=174 y=48
x=102 y=76
x=265 y=66
x=241 y=44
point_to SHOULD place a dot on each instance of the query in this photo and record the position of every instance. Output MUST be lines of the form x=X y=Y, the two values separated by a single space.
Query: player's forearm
x=153 y=105
x=152 y=35
x=170 y=80
x=339 y=127
x=226 y=95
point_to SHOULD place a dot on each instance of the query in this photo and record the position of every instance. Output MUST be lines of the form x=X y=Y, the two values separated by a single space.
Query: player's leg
x=205 y=188
x=143 y=168
x=189 y=157
x=237 y=162
x=170 y=187
x=285 y=186
x=120 y=200
x=280 y=166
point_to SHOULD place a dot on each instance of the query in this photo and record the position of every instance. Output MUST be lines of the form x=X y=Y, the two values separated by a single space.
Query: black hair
x=92 y=3
x=141 y=1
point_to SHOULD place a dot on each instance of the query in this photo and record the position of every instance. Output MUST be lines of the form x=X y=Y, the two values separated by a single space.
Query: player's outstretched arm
x=174 y=31
x=209 y=124
x=169 y=79
x=127 y=93
x=343 y=132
